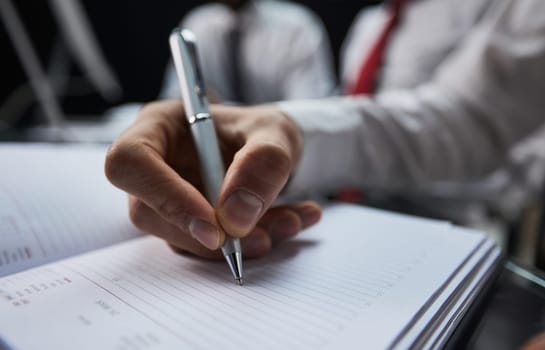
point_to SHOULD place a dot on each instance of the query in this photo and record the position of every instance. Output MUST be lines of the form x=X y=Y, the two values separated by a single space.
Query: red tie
x=370 y=68
x=367 y=79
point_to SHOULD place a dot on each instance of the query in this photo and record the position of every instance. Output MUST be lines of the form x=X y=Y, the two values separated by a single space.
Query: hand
x=155 y=162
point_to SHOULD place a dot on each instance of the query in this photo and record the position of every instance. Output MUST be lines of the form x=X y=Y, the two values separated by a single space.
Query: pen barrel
x=213 y=172
x=185 y=58
x=184 y=55
x=211 y=162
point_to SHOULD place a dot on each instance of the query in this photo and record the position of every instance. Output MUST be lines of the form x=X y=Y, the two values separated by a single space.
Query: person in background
x=401 y=44
x=482 y=100
x=257 y=51
x=409 y=45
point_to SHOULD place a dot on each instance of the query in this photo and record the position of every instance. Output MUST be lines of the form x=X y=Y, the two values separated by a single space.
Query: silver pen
x=184 y=54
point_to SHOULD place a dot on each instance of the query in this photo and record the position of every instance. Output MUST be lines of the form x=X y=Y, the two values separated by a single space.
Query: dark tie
x=235 y=55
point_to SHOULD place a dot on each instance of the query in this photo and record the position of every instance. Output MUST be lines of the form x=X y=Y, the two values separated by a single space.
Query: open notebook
x=361 y=278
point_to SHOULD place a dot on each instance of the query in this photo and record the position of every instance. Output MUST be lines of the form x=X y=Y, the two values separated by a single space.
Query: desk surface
x=514 y=314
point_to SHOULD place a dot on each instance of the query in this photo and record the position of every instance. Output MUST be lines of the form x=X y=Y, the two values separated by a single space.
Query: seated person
x=409 y=50
x=484 y=98
x=389 y=47
x=256 y=51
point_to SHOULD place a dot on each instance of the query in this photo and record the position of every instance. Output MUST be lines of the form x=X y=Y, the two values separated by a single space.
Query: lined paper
x=357 y=279
x=56 y=202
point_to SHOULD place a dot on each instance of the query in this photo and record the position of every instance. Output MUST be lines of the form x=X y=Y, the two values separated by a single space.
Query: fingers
x=257 y=174
x=255 y=245
x=155 y=161
x=284 y=222
x=277 y=224
x=136 y=163
x=147 y=220
x=309 y=212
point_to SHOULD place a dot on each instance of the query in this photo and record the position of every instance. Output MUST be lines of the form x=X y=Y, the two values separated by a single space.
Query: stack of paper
x=362 y=278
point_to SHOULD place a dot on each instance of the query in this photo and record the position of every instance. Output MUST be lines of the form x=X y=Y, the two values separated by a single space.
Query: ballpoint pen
x=184 y=54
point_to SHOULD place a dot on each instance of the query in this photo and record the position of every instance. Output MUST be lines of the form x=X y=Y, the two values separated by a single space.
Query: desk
x=514 y=313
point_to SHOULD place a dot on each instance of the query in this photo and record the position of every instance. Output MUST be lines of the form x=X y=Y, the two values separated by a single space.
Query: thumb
x=259 y=171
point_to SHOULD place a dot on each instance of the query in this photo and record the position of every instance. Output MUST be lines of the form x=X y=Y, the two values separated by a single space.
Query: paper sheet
x=55 y=202
x=356 y=280
x=468 y=279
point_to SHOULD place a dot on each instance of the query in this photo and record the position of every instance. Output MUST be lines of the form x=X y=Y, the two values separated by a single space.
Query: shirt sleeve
x=486 y=96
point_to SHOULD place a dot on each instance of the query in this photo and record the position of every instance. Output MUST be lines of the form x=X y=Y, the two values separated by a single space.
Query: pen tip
x=234 y=260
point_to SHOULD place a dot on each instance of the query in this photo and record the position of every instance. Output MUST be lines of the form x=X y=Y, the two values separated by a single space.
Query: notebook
x=74 y=274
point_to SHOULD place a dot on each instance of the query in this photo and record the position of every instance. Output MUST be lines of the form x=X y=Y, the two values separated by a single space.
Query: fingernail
x=255 y=246
x=205 y=233
x=242 y=209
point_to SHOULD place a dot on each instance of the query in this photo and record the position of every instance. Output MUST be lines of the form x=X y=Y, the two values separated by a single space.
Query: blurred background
x=125 y=44
x=132 y=36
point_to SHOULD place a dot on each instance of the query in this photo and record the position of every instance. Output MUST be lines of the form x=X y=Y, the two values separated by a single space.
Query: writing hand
x=155 y=162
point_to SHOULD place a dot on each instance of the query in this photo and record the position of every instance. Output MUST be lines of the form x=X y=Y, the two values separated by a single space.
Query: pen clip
x=186 y=61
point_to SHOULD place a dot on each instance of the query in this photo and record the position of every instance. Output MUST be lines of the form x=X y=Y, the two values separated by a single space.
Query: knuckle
x=271 y=157
x=159 y=110
x=174 y=212
x=149 y=109
x=292 y=133
x=263 y=168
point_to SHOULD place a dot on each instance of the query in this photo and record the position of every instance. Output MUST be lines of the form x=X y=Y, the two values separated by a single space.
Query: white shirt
x=427 y=33
x=285 y=52
x=463 y=84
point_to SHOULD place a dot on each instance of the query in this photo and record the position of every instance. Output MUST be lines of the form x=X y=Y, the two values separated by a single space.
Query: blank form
x=357 y=279
x=56 y=202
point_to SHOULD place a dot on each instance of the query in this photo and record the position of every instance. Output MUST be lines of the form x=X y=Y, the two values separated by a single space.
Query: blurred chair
x=80 y=41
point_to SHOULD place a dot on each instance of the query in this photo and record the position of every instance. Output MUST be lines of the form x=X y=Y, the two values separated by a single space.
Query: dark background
x=133 y=35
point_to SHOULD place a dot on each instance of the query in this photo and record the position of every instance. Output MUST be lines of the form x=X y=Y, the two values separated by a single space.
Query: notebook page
x=469 y=277
x=358 y=278
x=55 y=202
x=468 y=296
